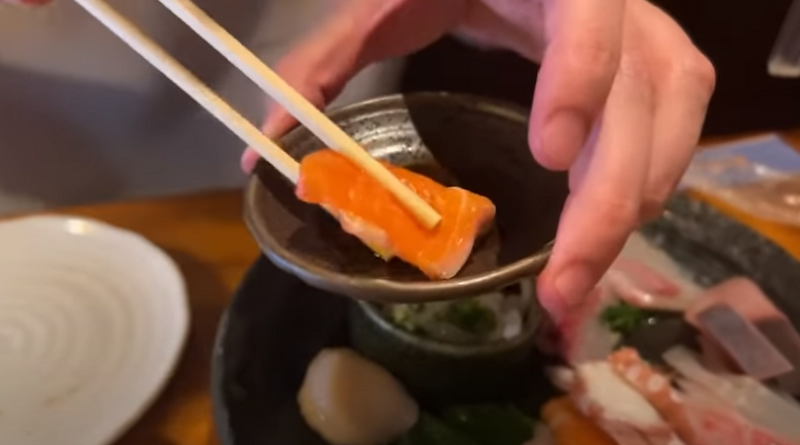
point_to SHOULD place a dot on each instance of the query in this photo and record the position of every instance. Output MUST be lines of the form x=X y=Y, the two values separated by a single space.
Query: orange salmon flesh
x=371 y=213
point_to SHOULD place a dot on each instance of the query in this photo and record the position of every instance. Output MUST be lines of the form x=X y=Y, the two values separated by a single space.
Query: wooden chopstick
x=270 y=82
x=184 y=79
x=312 y=118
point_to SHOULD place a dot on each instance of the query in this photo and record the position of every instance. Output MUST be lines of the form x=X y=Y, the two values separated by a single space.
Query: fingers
x=362 y=32
x=577 y=72
x=603 y=207
x=684 y=87
x=661 y=92
x=277 y=120
x=313 y=71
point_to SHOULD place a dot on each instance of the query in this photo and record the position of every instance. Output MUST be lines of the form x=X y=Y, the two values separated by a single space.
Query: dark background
x=737 y=36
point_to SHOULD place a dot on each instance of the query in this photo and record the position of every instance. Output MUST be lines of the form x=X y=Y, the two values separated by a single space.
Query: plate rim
x=170 y=367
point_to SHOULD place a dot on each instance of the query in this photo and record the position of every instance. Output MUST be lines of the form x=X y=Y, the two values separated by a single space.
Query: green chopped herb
x=491 y=424
x=471 y=317
x=429 y=430
x=416 y=308
x=623 y=318
x=403 y=316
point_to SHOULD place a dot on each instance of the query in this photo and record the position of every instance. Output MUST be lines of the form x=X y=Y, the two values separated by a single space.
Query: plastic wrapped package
x=760 y=176
x=784 y=61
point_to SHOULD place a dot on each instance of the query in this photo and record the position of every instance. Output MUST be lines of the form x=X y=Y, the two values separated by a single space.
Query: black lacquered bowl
x=277 y=323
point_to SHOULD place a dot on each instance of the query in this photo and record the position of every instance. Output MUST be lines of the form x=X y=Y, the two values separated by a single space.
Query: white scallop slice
x=92 y=322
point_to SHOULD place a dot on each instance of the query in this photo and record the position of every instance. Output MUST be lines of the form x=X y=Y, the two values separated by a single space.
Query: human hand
x=620 y=101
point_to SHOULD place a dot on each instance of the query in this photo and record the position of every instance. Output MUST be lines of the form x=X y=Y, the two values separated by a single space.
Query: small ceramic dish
x=93 y=319
x=478 y=144
x=436 y=372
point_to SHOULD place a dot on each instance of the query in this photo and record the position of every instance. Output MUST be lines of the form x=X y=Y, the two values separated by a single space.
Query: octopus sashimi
x=368 y=211
x=618 y=409
x=656 y=389
x=696 y=415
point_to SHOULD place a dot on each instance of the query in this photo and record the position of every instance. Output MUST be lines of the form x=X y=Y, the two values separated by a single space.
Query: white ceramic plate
x=92 y=322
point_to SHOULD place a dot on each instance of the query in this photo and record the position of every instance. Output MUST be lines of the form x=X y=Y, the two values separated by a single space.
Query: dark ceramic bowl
x=478 y=144
x=276 y=324
x=438 y=373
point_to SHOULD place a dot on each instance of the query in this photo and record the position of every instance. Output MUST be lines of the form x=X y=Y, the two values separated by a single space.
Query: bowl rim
x=379 y=289
x=527 y=337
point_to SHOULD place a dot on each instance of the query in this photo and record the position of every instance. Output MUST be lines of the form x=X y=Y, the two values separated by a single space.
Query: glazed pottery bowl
x=437 y=372
x=475 y=143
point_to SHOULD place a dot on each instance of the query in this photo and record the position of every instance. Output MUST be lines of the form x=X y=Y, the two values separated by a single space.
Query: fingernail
x=573 y=284
x=563 y=136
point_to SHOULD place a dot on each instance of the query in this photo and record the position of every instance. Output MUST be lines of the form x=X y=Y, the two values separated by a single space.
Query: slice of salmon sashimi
x=371 y=213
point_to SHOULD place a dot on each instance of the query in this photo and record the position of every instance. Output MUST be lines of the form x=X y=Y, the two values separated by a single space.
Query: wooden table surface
x=204 y=233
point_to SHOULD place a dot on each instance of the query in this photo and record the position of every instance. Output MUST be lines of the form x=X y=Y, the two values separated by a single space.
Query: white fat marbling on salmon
x=460 y=247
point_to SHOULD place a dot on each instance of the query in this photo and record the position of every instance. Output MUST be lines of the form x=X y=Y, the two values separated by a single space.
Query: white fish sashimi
x=645 y=276
x=639 y=248
x=585 y=336
x=716 y=422
x=712 y=421
x=754 y=401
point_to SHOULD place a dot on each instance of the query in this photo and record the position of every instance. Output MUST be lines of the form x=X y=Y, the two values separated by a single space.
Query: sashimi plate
x=276 y=324
x=92 y=322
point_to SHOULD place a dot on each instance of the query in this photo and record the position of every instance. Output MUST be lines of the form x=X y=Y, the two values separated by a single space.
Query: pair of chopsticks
x=269 y=82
